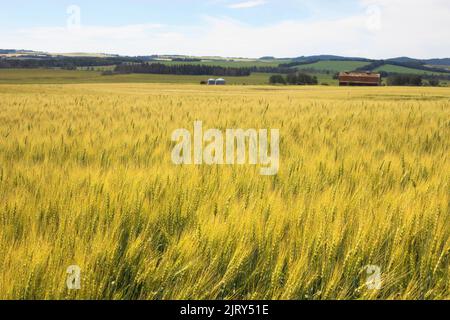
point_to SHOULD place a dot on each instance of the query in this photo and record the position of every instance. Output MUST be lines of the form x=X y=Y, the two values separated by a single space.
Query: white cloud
x=399 y=28
x=128 y=39
x=247 y=4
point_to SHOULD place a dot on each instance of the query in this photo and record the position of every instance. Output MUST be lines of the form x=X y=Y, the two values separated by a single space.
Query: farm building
x=359 y=79
x=220 y=82
x=211 y=82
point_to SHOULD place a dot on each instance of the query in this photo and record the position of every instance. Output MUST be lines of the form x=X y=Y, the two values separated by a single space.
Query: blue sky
x=25 y=13
x=250 y=28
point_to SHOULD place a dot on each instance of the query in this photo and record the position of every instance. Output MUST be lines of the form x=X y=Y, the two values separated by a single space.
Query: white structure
x=216 y=82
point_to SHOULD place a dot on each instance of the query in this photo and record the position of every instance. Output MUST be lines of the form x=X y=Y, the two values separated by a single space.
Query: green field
x=208 y=62
x=326 y=69
x=324 y=78
x=97 y=68
x=335 y=66
x=229 y=63
x=58 y=76
x=399 y=69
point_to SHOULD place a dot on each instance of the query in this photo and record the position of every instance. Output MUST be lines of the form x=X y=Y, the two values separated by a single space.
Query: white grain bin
x=211 y=82
x=220 y=82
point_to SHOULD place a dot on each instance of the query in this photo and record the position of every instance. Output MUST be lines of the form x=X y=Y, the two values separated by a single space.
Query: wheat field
x=86 y=179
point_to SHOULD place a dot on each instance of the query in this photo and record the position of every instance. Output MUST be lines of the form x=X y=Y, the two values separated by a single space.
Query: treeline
x=65 y=62
x=404 y=80
x=315 y=70
x=186 y=60
x=182 y=69
x=413 y=80
x=297 y=78
x=297 y=63
x=195 y=69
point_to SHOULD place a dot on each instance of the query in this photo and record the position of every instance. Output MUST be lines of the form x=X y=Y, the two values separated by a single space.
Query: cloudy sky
x=233 y=28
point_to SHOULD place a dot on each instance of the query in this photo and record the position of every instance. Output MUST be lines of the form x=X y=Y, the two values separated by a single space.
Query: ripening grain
x=86 y=179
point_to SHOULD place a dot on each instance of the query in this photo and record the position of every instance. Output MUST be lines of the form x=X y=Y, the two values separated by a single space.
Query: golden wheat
x=86 y=179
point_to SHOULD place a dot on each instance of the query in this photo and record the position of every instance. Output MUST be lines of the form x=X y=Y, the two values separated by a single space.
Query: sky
x=231 y=28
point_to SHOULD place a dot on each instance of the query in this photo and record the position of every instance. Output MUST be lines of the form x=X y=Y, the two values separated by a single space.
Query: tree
x=300 y=78
x=434 y=82
x=404 y=80
x=292 y=78
x=277 y=79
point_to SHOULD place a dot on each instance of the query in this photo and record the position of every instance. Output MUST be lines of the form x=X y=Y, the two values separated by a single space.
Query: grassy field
x=221 y=63
x=58 y=76
x=232 y=64
x=331 y=67
x=86 y=179
x=399 y=69
x=335 y=66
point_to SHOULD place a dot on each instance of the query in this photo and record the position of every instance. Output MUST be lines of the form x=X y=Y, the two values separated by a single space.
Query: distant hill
x=405 y=60
x=325 y=67
x=434 y=62
x=329 y=58
x=408 y=60
x=37 y=54
x=7 y=51
x=19 y=52
x=439 y=62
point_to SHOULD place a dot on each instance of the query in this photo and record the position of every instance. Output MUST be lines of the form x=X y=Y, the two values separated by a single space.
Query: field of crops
x=86 y=179
x=58 y=76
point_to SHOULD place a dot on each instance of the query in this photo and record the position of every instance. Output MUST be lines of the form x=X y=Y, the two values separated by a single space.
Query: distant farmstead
x=359 y=79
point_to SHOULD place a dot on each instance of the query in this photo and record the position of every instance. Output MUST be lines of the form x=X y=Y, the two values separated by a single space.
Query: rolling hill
x=334 y=66
x=43 y=67
x=390 y=68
